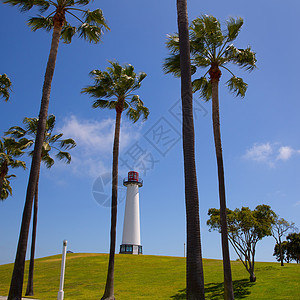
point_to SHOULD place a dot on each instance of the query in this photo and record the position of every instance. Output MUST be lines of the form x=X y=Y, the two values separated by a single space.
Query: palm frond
x=5 y=87
x=41 y=22
x=91 y=33
x=172 y=65
x=64 y=156
x=83 y=2
x=172 y=43
x=18 y=164
x=42 y=5
x=201 y=61
x=203 y=86
x=234 y=27
x=16 y=132
x=237 y=86
x=245 y=58
x=95 y=17
x=47 y=160
x=67 y=33
x=67 y=144
x=24 y=5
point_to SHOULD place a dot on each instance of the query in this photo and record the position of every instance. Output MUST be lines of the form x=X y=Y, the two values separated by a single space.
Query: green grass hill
x=153 y=278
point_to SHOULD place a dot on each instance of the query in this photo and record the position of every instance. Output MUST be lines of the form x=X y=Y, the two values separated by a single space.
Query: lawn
x=153 y=277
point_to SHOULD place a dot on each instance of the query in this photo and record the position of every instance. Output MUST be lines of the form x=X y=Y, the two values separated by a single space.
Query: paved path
x=4 y=298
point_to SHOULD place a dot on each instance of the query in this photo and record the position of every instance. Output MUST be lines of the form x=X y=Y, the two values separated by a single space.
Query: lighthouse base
x=131 y=249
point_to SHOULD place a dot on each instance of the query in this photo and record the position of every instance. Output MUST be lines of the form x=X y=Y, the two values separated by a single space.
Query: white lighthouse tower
x=131 y=241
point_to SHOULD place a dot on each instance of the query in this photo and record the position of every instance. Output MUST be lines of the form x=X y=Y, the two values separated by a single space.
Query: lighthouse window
x=128 y=248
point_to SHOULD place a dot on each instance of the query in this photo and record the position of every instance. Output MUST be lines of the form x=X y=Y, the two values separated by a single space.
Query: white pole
x=60 y=295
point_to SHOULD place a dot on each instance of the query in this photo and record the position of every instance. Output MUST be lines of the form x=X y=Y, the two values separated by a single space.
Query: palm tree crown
x=91 y=23
x=114 y=90
x=212 y=48
x=51 y=141
x=5 y=87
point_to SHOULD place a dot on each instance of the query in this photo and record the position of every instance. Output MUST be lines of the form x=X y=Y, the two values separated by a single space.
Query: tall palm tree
x=51 y=142
x=5 y=87
x=90 y=28
x=194 y=273
x=212 y=48
x=10 y=149
x=113 y=89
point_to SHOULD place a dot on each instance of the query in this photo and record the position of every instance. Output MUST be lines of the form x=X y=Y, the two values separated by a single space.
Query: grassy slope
x=153 y=278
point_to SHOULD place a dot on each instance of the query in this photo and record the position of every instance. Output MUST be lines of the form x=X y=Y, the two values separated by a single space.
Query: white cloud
x=270 y=153
x=93 y=154
x=260 y=153
x=297 y=203
x=285 y=153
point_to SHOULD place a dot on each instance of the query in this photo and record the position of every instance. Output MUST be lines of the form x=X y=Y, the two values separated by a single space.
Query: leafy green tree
x=51 y=142
x=294 y=246
x=245 y=228
x=90 y=28
x=6 y=188
x=194 y=272
x=5 y=87
x=212 y=48
x=282 y=252
x=113 y=89
x=279 y=229
x=10 y=149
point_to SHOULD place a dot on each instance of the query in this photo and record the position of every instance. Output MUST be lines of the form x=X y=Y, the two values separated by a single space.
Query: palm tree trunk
x=215 y=74
x=109 y=287
x=194 y=274
x=16 y=285
x=29 y=290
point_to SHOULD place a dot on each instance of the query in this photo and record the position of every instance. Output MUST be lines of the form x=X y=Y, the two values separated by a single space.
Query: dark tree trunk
x=29 y=290
x=109 y=287
x=194 y=273
x=215 y=74
x=280 y=252
x=252 y=277
x=16 y=285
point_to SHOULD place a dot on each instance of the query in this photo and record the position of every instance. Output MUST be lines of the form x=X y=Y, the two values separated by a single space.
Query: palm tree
x=194 y=273
x=90 y=28
x=212 y=48
x=51 y=141
x=5 y=87
x=6 y=188
x=10 y=149
x=113 y=89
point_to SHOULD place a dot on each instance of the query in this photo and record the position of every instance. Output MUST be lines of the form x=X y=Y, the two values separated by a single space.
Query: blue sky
x=260 y=133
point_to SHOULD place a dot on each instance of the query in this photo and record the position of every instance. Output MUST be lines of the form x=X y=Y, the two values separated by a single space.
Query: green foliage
x=211 y=46
x=294 y=246
x=245 y=228
x=5 y=87
x=91 y=23
x=286 y=255
x=52 y=141
x=113 y=89
x=6 y=189
x=10 y=149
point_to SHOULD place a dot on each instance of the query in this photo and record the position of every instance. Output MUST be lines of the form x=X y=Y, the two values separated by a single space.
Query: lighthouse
x=131 y=240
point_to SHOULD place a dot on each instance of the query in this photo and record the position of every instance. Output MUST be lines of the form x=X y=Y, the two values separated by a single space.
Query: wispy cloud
x=297 y=203
x=270 y=153
x=260 y=153
x=93 y=154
